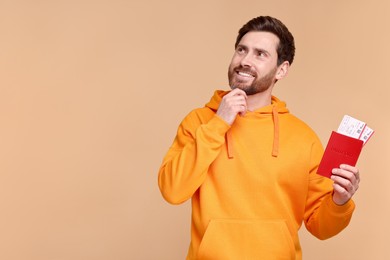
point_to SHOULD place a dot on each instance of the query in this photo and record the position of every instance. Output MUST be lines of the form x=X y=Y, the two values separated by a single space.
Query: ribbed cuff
x=219 y=125
x=340 y=209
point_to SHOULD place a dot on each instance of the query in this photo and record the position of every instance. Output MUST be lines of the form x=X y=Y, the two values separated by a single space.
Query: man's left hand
x=346 y=182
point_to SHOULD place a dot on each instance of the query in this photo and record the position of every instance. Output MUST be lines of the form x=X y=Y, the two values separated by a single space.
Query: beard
x=258 y=85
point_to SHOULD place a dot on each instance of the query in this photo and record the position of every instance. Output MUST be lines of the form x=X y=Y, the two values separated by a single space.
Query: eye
x=240 y=49
x=261 y=54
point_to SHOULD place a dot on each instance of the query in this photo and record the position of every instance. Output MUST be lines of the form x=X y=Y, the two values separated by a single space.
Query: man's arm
x=186 y=164
x=329 y=206
x=196 y=146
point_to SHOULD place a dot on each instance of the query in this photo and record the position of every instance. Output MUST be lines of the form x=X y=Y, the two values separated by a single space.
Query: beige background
x=92 y=93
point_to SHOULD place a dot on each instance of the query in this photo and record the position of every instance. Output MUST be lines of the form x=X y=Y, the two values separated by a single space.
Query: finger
x=344 y=183
x=344 y=173
x=237 y=91
x=348 y=172
x=347 y=180
x=339 y=189
x=342 y=193
x=352 y=169
x=242 y=110
x=237 y=100
x=237 y=106
x=234 y=97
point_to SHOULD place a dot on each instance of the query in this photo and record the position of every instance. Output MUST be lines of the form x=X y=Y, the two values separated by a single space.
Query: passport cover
x=341 y=149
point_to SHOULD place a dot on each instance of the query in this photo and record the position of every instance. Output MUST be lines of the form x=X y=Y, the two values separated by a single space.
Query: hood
x=275 y=102
x=275 y=108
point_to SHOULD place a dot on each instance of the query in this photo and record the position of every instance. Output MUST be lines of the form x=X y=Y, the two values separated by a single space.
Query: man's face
x=254 y=63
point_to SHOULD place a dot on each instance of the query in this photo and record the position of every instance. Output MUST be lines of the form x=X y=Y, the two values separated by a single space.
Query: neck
x=259 y=100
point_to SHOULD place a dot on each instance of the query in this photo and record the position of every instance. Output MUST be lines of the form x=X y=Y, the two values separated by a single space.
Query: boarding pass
x=355 y=128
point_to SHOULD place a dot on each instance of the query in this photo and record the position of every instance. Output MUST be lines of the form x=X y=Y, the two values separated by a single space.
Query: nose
x=246 y=60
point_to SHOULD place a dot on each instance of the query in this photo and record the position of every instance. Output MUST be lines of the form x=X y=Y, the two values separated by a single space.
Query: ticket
x=367 y=133
x=352 y=127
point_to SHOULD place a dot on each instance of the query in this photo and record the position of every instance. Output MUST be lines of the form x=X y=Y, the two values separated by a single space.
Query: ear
x=282 y=70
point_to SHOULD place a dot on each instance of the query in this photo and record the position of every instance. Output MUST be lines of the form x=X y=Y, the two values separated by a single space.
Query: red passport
x=341 y=149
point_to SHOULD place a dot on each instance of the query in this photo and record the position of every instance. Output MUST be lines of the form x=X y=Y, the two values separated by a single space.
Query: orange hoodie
x=252 y=184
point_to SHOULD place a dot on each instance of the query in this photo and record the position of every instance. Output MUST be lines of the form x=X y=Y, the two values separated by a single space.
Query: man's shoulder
x=199 y=115
x=299 y=125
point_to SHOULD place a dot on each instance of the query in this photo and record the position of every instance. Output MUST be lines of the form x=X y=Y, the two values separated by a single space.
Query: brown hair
x=286 y=47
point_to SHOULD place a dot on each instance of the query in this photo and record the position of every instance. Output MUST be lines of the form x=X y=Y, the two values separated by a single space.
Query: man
x=249 y=166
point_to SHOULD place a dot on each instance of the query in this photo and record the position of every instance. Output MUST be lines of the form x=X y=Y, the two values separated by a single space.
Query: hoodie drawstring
x=275 y=146
x=275 y=117
x=229 y=146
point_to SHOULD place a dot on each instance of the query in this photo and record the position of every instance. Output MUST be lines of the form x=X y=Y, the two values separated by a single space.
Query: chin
x=247 y=89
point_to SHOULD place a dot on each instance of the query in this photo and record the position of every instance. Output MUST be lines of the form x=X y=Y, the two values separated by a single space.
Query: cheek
x=231 y=66
x=262 y=70
x=235 y=61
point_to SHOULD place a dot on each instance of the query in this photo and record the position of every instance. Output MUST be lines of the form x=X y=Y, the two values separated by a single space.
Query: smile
x=244 y=74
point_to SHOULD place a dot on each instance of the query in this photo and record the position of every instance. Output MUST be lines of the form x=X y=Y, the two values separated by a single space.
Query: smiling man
x=249 y=166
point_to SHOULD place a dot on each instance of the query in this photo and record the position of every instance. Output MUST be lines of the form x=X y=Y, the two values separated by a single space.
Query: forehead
x=260 y=40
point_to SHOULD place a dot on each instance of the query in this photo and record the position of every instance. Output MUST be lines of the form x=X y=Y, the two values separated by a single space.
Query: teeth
x=244 y=74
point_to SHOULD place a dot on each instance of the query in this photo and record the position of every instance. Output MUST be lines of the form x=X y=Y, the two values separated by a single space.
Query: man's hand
x=232 y=104
x=346 y=182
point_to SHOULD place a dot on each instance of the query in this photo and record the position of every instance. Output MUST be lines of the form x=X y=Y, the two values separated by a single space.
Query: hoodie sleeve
x=323 y=218
x=185 y=166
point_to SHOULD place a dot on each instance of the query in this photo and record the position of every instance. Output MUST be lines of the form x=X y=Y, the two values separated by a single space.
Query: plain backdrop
x=92 y=92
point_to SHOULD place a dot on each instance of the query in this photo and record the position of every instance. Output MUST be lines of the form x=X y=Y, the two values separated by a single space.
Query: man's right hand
x=232 y=104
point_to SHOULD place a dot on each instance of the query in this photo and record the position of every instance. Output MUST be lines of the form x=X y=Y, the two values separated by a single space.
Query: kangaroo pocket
x=238 y=239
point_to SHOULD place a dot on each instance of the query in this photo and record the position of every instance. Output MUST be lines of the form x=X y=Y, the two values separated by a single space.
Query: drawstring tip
x=275 y=117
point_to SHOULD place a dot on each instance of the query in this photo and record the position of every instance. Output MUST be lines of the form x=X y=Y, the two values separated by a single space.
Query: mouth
x=245 y=74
